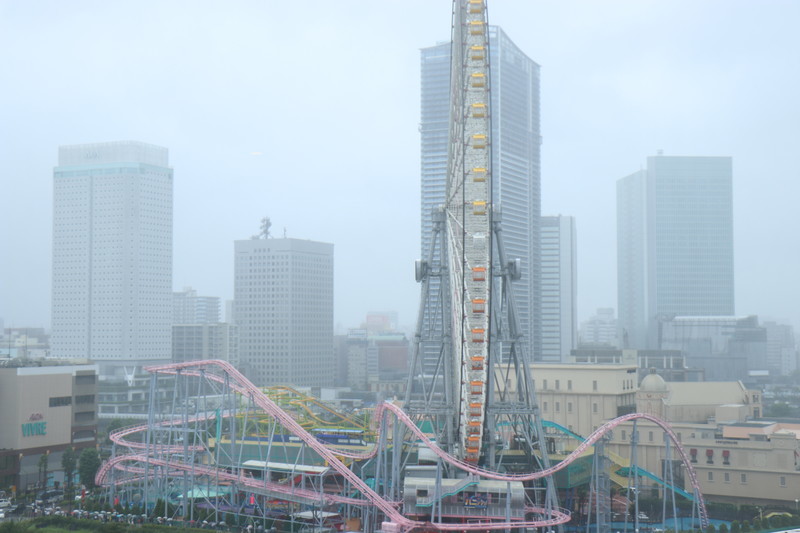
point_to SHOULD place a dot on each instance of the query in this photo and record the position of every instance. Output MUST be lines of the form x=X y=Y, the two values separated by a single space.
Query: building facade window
x=85 y=398
x=60 y=401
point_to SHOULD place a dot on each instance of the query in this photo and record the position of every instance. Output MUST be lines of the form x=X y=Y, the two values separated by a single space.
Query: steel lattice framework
x=179 y=451
x=480 y=396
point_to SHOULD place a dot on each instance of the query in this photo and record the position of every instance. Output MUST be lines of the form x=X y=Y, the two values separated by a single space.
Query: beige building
x=45 y=410
x=737 y=456
x=582 y=397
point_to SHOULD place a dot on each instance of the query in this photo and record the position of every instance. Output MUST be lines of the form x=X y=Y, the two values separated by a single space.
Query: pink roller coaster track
x=241 y=384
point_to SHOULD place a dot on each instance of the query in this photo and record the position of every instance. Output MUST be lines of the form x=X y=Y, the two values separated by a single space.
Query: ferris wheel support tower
x=478 y=397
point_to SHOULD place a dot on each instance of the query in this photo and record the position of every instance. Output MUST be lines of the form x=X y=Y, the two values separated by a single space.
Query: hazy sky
x=307 y=111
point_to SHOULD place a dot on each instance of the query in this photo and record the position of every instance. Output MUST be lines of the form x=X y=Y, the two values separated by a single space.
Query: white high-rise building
x=516 y=172
x=283 y=307
x=112 y=255
x=559 y=288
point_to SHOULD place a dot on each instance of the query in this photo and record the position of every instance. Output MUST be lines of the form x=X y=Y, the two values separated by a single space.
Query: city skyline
x=239 y=134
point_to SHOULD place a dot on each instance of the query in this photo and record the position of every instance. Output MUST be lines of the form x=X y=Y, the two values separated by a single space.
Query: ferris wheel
x=468 y=221
x=470 y=376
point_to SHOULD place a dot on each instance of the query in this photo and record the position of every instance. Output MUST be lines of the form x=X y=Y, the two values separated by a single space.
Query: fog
x=307 y=112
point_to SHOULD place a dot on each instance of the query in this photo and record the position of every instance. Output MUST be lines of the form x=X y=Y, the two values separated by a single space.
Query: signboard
x=34 y=426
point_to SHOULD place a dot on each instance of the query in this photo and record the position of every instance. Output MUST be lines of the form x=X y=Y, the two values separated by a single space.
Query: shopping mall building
x=44 y=410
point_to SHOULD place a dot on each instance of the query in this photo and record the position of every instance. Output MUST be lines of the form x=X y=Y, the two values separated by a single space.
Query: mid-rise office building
x=599 y=329
x=727 y=348
x=674 y=244
x=781 y=348
x=193 y=342
x=112 y=255
x=189 y=308
x=283 y=293
x=559 y=289
x=515 y=176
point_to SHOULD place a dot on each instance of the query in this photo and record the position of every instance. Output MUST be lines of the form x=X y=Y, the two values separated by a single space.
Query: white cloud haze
x=307 y=111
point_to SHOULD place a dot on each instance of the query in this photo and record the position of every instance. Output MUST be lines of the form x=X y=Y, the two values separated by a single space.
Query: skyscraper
x=283 y=307
x=112 y=255
x=674 y=244
x=559 y=289
x=515 y=160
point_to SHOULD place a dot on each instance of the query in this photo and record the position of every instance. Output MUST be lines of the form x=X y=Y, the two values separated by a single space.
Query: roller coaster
x=177 y=457
x=465 y=451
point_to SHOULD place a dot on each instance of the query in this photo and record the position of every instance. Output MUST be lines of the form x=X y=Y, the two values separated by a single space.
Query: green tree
x=736 y=527
x=711 y=529
x=69 y=460
x=88 y=464
x=723 y=528
x=43 y=469
x=745 y=526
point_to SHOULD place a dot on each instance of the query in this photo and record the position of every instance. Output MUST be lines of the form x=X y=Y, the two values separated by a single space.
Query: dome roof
x=652 y=382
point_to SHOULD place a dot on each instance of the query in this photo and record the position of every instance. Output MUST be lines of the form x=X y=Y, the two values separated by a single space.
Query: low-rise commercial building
x=45 y=410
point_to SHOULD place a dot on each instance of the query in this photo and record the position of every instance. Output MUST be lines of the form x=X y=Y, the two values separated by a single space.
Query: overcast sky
x=307 y=111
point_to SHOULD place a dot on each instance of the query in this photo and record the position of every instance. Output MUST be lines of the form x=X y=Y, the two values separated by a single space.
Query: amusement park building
x=45 y=410
x=738 y=457
x=718 y=424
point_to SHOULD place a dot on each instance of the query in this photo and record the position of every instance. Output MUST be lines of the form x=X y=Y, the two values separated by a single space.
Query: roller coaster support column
x=634 y=469
x=601 y=488
x=397 y=451
x=149 y=452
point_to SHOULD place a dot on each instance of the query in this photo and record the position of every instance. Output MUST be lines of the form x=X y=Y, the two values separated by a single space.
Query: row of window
x=60 y=401
x=557 y=409
x=726 y=478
